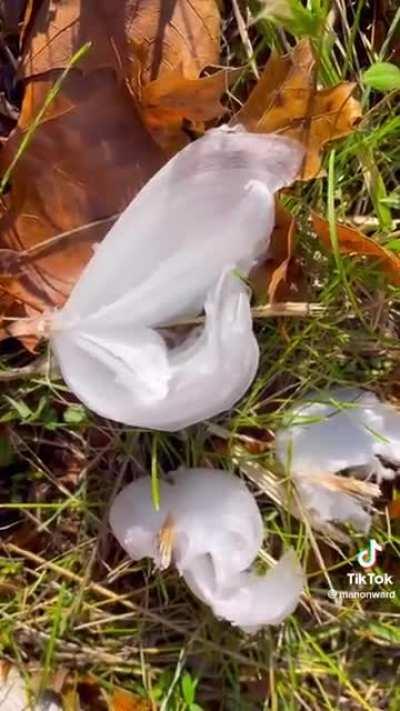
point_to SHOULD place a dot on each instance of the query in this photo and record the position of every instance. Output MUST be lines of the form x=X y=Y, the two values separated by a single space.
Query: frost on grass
x=209 y=525
x=178 y=249
x=340 y=430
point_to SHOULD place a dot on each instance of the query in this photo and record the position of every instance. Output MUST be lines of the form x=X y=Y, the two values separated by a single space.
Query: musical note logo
x=367 y=557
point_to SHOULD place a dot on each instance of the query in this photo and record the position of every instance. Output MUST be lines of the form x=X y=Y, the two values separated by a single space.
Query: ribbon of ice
x=178 y=248
x=340 y=430
x=210 y=526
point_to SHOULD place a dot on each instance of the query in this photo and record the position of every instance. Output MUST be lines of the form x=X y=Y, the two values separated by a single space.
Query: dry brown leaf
x=286 y=100
x=92 y=153
x=159 y=47
x=124 y=701
x=195 y=99
x=394 y=508
x=258 y=686
x=352 y=241
x=171 y=34
x=281 y=254
x=86 y=161
x=81 y=692
x=167 y=101
x=85 y=692
x=59 y=29
x=277 y=71
x=176 y=34
x=278 y=278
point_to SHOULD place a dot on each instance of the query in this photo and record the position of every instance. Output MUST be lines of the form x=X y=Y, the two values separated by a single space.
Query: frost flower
x=343 y=429
x=178 y=249
x=209 y=525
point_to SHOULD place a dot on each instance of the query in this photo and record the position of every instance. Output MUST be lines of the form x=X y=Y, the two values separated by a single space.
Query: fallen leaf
x=140 y=40
x=394 y=508
x=265 y=92
x=281 y=254
x=352 y=241
x=195 y=99
x=91 y=153
x=86 y=692
x=178 y=33
x=124 y=701
x=258 y=686
x=58 y=30
x=82 y=692
x=286 y=100
x=278 y=278
x=27 y=536
x=86 y=161
x=158 y=48
x=167 y=101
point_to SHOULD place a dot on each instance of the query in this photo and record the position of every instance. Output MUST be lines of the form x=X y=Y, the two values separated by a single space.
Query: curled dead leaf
x=279 y=277
x=281 y=254
x=122 y=700
x=165 y=102
x=352 y=241
x=287 y=100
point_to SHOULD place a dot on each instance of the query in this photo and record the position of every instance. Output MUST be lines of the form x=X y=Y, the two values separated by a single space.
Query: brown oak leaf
x=287 y=100
x=352 y=241
x=87 y=160
x=92 y=153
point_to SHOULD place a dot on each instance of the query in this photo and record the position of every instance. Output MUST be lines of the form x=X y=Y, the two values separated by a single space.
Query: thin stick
x=37 y=368
x=244 y=36
x=287 y=308
x=37 y=248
